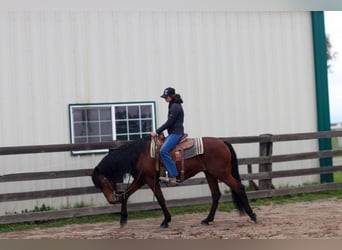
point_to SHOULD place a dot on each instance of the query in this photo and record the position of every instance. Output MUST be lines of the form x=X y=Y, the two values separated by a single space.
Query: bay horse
x=218 y=162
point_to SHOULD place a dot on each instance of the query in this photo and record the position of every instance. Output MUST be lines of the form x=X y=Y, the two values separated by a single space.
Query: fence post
x=266 y=149
x=252 y=184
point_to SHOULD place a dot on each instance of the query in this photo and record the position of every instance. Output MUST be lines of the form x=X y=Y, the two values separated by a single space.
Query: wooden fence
x=265 y=176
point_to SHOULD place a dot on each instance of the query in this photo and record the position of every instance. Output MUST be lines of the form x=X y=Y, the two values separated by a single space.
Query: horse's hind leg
x=239 y=197
x=215 y=195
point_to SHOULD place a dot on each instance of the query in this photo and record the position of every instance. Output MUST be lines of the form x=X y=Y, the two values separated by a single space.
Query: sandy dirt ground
x=304 y=220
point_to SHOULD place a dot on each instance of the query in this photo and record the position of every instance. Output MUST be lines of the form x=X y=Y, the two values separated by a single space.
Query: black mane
x=122 y=161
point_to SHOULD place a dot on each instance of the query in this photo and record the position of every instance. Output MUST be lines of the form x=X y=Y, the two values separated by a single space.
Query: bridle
x=107 y=183
x=121 y=195
x=118 y=194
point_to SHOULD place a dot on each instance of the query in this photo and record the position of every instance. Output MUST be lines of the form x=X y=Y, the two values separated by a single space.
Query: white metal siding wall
x=240 y=73
x=257 y=68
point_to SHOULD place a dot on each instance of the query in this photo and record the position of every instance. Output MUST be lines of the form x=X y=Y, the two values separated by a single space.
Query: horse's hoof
x=205 y=222
x=253 y=217
x=164 y=225
x=123 y=224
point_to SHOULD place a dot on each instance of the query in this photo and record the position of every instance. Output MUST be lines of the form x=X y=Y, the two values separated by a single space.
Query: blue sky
x=333 y=27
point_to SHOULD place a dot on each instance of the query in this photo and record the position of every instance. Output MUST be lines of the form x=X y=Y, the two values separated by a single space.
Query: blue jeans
x=170 y=142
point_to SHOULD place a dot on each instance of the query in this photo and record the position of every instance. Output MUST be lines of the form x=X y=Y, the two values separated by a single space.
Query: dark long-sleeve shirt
x=174 y=123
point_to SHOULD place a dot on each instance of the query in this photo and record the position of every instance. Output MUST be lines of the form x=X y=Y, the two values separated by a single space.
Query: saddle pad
x=196 y=149
x=153 y=148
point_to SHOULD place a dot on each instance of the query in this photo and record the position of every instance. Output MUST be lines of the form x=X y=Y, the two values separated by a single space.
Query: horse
x=218 y=162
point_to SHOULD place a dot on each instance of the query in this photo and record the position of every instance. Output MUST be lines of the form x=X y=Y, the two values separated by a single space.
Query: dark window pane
x=133 y=112
x=80 y=139
x=93 y=128
x=94 y=139
x=80 y=129
x=146 y=111
x=121 y=127
x=120 y=112
x=79 y=114
x=134 y=126
x=106 y=138
x=105 y=114
x=122 y=137
x=106 y=128
x=93 y=114
x=146 y=126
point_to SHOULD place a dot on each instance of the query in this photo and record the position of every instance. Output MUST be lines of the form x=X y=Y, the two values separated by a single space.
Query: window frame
x=112 y=107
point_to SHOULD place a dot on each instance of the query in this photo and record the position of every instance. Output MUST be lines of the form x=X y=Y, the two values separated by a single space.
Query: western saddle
x=177 y=154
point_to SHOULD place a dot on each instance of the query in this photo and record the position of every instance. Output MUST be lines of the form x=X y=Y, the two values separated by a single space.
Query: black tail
x=234 y=161
x=237 y=200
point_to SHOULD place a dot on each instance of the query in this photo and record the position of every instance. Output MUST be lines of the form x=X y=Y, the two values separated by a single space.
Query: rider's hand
x=154 y=134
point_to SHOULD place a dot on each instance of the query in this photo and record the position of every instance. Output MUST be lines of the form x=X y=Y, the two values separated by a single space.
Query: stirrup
x=171 y=180
x=164 y=179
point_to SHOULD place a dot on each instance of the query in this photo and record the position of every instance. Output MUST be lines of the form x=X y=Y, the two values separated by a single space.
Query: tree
x=331 y=55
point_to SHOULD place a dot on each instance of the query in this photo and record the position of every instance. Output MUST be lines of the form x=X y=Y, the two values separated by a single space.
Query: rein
x=156 y=164
x=156 y=153
x=119 y=191
x=122 y=194
x=108 y=183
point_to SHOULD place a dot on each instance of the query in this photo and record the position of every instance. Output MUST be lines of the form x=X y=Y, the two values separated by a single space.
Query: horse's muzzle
x=117 y=197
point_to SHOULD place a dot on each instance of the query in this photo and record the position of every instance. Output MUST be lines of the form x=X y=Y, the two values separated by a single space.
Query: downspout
x=322 y=91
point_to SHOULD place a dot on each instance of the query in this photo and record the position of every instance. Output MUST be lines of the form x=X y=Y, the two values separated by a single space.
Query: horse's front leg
x=161 y=200
x=131 y=189
x=123 y=213
x=155 y=187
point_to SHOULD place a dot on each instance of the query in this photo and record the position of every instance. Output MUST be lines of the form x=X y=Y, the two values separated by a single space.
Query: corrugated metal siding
x=240 y=73
x=249 y=64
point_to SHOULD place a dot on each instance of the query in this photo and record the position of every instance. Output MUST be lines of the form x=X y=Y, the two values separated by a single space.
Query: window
x=108 y=122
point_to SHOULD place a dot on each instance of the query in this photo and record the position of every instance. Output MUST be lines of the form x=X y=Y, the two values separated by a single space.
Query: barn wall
x=239 y=73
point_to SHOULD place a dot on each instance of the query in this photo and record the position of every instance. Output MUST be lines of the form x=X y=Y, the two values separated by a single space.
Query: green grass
x=334 y=143
x=223 y=206
x=338 y=177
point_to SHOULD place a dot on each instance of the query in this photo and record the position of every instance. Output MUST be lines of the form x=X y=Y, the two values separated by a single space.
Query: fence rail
x=265 y=175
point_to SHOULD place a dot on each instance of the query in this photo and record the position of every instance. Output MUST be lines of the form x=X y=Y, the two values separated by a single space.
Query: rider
x=175 y=129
